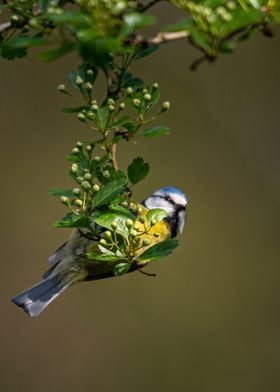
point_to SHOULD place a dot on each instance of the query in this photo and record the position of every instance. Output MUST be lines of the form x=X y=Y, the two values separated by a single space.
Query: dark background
x=210 y=320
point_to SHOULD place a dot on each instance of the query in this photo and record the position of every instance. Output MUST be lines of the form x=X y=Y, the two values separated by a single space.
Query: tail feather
x=35 y=299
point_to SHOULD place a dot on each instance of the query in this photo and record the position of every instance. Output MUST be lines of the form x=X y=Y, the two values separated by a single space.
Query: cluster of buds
x=145 y=98
x=211 y=15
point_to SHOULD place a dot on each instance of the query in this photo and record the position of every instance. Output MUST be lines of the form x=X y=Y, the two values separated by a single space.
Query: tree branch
x=114 y=156
x=162 y=38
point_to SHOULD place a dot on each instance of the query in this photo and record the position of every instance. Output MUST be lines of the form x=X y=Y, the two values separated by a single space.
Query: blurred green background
x=210 y=321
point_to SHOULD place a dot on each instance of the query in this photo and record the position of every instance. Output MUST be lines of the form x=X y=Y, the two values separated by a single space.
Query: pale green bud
x=85 y=185
x=114 y=225
x=97 y=158
x=81 y=117
x=103 y=242
x=166 y=105
x=133 y=233
x=89 y=72
x=129 y=223
x=90 y=115
x=129 y=90
x=79 y=81
x=124 y=204
x=94 y=107
x=75 y=150
x=108 y=234
x=96 y=188
x=78 y=203
x=231 y=5
x=106 y=173
x=79 y=144
x=74 y=168
x=89 y=148
x=80 y=180
x=87 y=176
x=145 y=91
x=76 y=191
x=62 y=88
x=111 y=108
x=155 y=86
x=136 y=102
x=147 y=97
x=122 y=106
x=88 y=86
x=110 y=101
x=64 y=199
x=146 y=241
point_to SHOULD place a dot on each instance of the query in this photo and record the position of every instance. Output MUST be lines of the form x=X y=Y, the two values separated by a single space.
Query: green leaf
x=137 y=170
x=61 y=192
x=43 y=4
x=158 y=251
x=121 y=121
x=108 y=192
x=129 y=80
x=134 y=21
x=156 y=215
x=72 y=220
x=55 y=53
x=103 y=257
x=141 y=53
x=103 y=115
x=17 y=47
x=155 y=131
x=121 y=269
x=106 y=218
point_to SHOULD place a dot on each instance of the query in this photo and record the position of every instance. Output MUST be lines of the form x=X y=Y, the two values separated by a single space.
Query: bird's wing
x=58 y=254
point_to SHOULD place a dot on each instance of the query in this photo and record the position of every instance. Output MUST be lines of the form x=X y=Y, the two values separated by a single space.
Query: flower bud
x=78 y=203
x=79 y=81
x=129 y=90
x=88 y=86
x=231 y=5
x=85 y=170
x=103 y=242
x=124 y=204
x=85 y=185
x=89 y=148
x=76 y=191
x=64 y=200
x=96 y=188
x=75 y=150
x=139 y=209
x=166 y=105
x=81 y=117
x=79 y=180
x=122 y=106
x=133 y=206
x=97 y=158
x=129 y=223
x=114 y=225
x=79 y=144
x=106 y=173
x=147 y=97
x=136 y=102
x=62 y=88
x=133 y=233
x=146 y=241
x=110 y=101
x=74 y=168
x=111 y=108
x=108 y=234
x=155 y=86
x=94 y=107
x=87 y=176
x=90 y=115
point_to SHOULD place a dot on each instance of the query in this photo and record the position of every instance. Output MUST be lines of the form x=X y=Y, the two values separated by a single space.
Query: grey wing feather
x=58 y=255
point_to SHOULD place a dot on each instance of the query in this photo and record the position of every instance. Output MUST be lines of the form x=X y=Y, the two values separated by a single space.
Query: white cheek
x=181 y=222
x=158 y=202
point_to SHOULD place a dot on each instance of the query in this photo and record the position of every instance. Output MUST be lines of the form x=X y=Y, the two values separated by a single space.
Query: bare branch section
x=162 y=38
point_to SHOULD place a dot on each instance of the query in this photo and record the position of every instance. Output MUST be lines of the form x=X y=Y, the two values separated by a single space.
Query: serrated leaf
x=108 y=192
x=106 y=218
x=155 y=131
x=61 y=192
x=156 y=215
x=121 y=269
x=145 y=52
x=137 y=170
x=158 y=251
x=72 y=220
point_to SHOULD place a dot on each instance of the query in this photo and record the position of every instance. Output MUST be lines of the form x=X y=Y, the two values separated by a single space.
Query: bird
x=70 y=263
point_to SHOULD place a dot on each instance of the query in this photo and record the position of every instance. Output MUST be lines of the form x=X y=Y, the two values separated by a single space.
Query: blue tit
x=70 y=264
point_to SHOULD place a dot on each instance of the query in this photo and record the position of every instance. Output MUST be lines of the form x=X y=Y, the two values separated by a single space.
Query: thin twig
x=163 y=38
x=146 y=273
x=114 y=156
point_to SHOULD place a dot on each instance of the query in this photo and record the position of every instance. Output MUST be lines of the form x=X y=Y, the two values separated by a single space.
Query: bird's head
x=174 y=202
